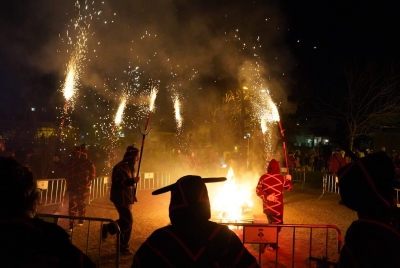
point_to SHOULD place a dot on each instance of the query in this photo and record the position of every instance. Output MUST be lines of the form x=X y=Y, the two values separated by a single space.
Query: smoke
x=199 y=49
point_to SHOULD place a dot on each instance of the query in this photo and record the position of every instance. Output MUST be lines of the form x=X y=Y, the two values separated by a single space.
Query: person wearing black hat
x=27 y=241
x=366 y=186
x=123 y=179
x=192 y=240
x=80 y=173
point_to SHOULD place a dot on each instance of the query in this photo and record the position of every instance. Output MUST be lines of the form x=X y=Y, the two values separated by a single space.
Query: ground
x=303 y=205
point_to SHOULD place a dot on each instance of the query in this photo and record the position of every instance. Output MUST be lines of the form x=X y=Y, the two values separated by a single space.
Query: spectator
x=80 y=173
x=27 y=241
x=366 y=186
x=336 y=161
x=270 y=189
x=192 y=240
x=122 y=187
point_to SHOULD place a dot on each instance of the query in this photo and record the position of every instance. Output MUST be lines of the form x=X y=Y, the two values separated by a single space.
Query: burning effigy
x=233 y=202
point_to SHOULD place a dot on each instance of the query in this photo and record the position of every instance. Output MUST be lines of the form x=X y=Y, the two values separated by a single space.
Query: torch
x=275 y=117
x=178 y=117
x=68 y=91
x=117 y=122
x=152 y=99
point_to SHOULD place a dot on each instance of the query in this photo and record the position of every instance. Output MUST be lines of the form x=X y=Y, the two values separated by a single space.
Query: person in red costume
x=270 y=189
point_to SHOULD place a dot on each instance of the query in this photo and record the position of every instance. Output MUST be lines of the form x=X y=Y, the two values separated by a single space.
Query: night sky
x=199 y=49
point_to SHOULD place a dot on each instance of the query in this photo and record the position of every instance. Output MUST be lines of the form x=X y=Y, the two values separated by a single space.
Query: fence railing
x=312 y=242
x=100 y=187
x=153 y=180
x=298 y=174
x=330 y=183
x=52 y=191
x=88 y=237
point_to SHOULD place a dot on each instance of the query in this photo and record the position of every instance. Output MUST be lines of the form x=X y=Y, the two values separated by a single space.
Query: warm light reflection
x=233 y=199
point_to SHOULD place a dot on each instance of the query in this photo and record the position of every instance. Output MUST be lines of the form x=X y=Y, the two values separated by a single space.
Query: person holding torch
x=123 y=179
x=270 y=189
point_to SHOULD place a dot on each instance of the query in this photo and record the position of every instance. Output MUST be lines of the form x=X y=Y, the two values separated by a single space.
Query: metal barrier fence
x=100 y=187
x=298 y=174
x=312 y=242
x=153 y=180
x=52 y=191
x=88 y=237
x=330 y=183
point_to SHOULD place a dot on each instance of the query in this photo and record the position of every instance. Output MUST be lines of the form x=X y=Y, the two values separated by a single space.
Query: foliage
x=366 y=104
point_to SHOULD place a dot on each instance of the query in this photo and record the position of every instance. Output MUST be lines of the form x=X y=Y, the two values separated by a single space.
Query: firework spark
x=120 y=112
x=177 y=107
x=153 y=95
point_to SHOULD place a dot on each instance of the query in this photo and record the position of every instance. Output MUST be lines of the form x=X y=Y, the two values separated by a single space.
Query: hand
x=272 y=198
x=136 y=179
x=56 y=159
x=288 y=177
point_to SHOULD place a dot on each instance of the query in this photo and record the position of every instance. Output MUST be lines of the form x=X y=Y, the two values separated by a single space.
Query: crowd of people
x=366 y=186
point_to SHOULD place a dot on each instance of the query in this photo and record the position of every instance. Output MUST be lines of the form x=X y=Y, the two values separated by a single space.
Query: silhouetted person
x=27 y=241
x=192 y=240
x=366 y=186
x=80 y=173
x=122 y=186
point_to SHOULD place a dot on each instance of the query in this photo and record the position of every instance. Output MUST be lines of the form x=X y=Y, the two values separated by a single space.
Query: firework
x=177 y=108
x=152 y=99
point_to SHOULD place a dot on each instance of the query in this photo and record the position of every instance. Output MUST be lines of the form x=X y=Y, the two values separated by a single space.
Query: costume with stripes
x=80 y=173
x=192 y=240
x=272 y=185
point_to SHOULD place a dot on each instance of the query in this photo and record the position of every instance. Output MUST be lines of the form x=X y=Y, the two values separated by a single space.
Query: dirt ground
x=302 y=206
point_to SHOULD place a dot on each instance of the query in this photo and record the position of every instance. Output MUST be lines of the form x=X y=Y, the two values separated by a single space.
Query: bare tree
x=369 y=101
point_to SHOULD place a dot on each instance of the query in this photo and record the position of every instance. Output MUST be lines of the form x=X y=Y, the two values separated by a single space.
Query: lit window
x=33 y=109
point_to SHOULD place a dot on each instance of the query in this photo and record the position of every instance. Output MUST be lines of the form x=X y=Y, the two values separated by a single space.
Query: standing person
x=80 y=173
x=270 y=189
x=335 y=162
x=123 y=179
x=373 y=240
x=192 y=240
x=27 y=241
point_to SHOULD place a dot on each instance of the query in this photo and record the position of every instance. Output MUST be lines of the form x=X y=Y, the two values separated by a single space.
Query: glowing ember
x=233 y=200
x=177 y=107
x=120 y=112
x=153 y=95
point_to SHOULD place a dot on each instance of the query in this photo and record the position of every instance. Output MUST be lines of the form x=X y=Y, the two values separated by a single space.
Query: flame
x=153 y=95
x=69 y=84
x=178 y=117
x=120 y=112
x=233 y=199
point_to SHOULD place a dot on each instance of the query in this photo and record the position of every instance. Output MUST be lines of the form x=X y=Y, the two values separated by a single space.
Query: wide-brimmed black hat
x=189 y=203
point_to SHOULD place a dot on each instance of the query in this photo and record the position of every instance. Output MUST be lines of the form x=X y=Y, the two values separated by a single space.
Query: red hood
x=273 y=167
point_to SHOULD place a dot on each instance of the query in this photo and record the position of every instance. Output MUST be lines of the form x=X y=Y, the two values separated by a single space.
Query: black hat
x=189 y=203
x=131 y=152
x=367 y=185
